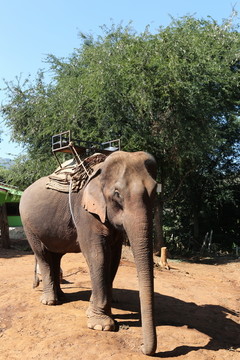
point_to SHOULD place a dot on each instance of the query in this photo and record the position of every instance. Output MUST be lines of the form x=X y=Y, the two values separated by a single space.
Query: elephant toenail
x=107 y=328
x=98 y=327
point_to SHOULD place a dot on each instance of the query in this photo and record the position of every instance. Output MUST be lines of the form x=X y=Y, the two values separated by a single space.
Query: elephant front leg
x=99 y=321
x=99 y=311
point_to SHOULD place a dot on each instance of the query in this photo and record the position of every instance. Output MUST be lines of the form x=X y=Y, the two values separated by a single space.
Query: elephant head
x=121 y=192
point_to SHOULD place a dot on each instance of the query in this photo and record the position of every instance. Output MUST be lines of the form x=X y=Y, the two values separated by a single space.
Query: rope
x=77 y=157
x=79 y=160
x=70 y=203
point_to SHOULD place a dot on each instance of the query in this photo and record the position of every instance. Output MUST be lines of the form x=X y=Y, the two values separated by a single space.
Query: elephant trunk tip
x=148 y=350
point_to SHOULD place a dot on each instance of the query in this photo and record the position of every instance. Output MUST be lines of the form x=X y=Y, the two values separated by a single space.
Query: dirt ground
x=197 y=312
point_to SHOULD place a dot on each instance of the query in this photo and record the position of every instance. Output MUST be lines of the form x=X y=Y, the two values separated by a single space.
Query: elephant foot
x=100 y=322
x=48 y=300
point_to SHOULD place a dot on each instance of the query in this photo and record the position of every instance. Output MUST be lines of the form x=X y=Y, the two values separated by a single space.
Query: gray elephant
x=37 y=271
x=118 y=197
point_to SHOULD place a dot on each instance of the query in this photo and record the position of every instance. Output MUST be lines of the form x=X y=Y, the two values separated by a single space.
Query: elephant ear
x=93 y=200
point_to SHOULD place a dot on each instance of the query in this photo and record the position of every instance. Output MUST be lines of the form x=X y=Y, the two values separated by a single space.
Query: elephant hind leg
x=36 y=280
x=49 y=264
x=57 y=273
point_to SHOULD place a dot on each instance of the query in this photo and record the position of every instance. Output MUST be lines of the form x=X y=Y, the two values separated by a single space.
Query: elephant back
x=74 y=174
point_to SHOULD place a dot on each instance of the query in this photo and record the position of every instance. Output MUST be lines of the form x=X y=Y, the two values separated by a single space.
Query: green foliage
x=174 y=93
x=3 y=174
x=25 y=171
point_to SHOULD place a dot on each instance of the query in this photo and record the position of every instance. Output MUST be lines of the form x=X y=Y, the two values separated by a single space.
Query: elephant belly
x=55 y=240
x=62 y=245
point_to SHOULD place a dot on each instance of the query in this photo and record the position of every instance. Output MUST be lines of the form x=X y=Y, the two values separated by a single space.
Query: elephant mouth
x=115 y=220
x=116 y=226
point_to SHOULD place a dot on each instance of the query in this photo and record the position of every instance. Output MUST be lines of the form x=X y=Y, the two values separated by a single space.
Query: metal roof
x=9 y=193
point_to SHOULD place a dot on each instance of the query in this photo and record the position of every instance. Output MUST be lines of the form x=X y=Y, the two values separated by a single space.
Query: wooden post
x=4 y=227
x=163 y=259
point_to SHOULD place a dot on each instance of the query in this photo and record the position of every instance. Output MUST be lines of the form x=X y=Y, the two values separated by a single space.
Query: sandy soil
x=197 y=312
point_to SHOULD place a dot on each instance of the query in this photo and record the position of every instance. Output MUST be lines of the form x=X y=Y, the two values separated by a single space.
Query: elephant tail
x=36 y=280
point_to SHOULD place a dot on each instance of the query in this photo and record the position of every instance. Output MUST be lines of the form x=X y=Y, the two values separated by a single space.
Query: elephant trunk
x=141 y=244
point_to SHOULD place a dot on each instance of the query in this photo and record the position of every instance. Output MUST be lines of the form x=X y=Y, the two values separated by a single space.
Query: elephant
x=116 y=200
x=37 y=271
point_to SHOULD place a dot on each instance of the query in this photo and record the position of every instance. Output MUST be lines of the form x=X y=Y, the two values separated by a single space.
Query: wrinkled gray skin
x=118 y=197
x=37 y=271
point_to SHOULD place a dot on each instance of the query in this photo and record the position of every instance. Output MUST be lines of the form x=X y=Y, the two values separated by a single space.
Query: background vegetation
x=174 y=93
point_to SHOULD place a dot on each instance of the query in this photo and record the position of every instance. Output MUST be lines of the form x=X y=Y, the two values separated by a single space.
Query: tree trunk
x=4 y=227
x=158 y=224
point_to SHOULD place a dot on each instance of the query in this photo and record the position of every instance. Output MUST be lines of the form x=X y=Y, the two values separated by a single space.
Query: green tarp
x=11 y=197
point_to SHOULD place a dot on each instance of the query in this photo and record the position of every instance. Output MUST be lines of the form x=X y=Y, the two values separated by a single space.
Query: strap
x=70 y=203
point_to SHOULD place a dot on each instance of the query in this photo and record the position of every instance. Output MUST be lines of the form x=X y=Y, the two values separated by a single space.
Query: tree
x=174 y=93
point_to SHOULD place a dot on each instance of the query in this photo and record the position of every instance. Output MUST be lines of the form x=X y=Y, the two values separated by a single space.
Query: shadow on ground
x=18 y=248
x=211 y=320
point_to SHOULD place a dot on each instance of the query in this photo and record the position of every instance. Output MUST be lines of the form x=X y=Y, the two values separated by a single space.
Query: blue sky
x=31 y=29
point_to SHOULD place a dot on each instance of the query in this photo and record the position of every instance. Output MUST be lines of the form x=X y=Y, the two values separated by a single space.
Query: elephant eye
x=117 y=198
x=116 y=194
